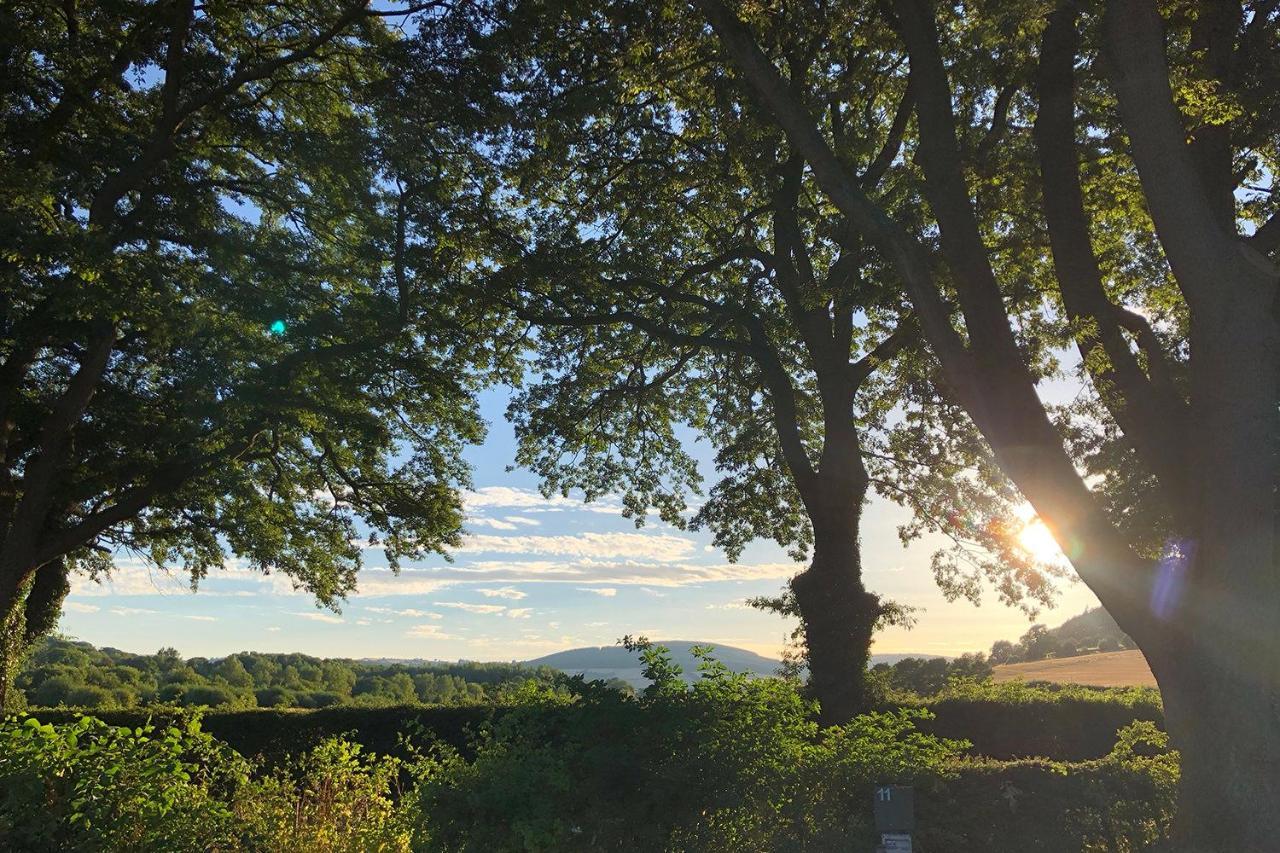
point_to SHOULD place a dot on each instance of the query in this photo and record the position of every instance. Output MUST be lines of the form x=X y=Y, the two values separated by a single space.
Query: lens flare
x=1037 y=541
x=277 y=328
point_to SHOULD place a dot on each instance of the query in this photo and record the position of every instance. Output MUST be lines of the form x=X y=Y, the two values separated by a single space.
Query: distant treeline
x=76 y=674
x=927 y=676
x=1090 y=632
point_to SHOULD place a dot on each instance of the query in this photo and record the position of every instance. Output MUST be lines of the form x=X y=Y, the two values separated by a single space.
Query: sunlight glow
x=1038 y=541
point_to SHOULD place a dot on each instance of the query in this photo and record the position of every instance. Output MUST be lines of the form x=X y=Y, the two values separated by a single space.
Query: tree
x=681 y=275
x=1136 y=151
x=212 y=340
x=1037 y=643
x=1003 y=651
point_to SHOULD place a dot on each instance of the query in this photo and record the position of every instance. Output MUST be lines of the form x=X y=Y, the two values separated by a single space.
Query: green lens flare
x=277 y=328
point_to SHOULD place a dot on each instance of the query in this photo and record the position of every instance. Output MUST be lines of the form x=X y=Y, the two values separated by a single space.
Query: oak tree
x=224 y=327
x=1135 y=148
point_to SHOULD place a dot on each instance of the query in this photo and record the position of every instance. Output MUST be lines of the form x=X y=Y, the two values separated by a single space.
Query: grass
x=1108 y=669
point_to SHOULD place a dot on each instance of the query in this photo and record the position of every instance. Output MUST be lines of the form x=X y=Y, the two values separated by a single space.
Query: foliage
x=89 y=786
x=333 y=798
x=1092 y=631
x=1120 y=803
x=75 y=674
x=926 y=676
x=726 y=763
x=227 y=313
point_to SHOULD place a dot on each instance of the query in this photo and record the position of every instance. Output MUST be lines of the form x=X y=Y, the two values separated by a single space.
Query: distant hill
x=1092 y=627
x=605 y=662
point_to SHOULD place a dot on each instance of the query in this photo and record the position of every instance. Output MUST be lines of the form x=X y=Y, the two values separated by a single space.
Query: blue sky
x=533 y=576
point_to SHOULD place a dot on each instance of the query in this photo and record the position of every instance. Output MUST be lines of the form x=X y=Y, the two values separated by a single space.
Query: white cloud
x=275 y=629
x=473 y=608
x=504 y=592
x=412 y=612
x=736 y=604
x=495 y=523
x=428 y=632
x=200 y=618
x=519 y=612
x=133 y=611
x=602 y=591
x=531 y=500
x=78 y=607
x=649 y=547
x=374 y=583
x=318 y=616
x=521 y=520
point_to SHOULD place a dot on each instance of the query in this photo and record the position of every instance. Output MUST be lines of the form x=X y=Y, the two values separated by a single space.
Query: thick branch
x=906 y=334
x=1151 y=414
x=906 y=253
x=1199 y=247
x=892 y=143
x=39 y=479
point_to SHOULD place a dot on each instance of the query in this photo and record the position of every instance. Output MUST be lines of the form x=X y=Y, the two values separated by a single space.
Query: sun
x=1037 y=541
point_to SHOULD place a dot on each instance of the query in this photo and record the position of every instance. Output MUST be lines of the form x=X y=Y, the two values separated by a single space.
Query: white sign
x=895 y=842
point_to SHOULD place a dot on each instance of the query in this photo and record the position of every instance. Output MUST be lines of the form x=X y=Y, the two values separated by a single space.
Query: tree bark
x=838 y=612
x=1225 y=721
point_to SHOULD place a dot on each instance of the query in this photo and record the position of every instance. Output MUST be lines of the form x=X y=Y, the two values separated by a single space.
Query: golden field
x=1107 y=669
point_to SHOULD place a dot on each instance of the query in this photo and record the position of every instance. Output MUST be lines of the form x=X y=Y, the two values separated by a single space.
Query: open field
x=1108 y=669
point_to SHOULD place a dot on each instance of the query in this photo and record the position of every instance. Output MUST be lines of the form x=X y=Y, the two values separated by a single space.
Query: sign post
x=894 y=810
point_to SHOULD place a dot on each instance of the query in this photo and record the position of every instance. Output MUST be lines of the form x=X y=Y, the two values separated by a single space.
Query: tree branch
x=906 y=334
x=892 y=143
x=1151 y=414
x=1200 y=250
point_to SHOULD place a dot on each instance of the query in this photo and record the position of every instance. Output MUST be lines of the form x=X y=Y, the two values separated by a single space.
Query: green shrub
x=333 y=798
x=1055 y=721
x=728 y=763
x=90 y=786
x=1118 y=804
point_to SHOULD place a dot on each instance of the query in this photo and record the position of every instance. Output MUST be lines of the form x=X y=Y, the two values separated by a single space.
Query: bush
x=333 y=798
x=1118 y=804
x=1060 y=722
x=90 y=786
x=728 y=763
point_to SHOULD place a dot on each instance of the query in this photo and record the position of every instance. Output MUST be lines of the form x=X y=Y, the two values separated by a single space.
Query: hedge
x=1053 y=724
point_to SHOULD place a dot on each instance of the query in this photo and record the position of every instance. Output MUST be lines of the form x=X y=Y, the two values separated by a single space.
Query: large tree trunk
x=27 y=613
x=838 y=613
x=1225 y=719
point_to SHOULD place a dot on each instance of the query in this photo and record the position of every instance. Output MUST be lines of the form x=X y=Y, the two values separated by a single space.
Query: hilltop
x=605 y=662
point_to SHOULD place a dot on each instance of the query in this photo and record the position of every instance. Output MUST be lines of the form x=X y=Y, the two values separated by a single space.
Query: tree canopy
x=223 y=328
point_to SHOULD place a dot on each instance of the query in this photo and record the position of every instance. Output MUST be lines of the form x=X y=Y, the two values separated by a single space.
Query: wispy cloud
x=602 y=591
x=505 y=497
x=503 y=592
x=519 y=612
x=194 y=618
x=428 y=632
x=79 y=607
x=473 y=608
x=409 y=611
x=318 y=616
x=133 y=611
x=495 y=523
x=658 y=547
x=736 y=604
